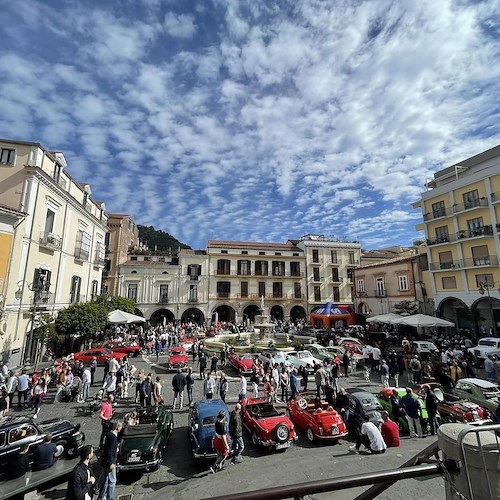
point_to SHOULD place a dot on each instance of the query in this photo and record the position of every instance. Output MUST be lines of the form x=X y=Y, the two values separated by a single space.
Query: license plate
x=281 y=446
x=134 y=457
x=335 y=429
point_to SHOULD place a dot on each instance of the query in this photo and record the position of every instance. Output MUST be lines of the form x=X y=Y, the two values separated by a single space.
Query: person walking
x=236 y=433
x=346 y=362
x=178 y=385
x=81 y=482
x=157 y=397
x=105 y=415
x=221 y=444
x=284 y=384
x=22 y=389
x=109 y=385
x=147 y=390
x=213 y=363
x=384 y=374
x=202 y=363
x=39 y=392
x=223 y=387
x=413 y=410
x=189 y=385
x=398 y=412
x=93 y=368
x=138 y=384
x=294 y=384
x=489 y=367
x=209 y=386
x=431 y=404
x=320 y=378
x=107 y=481
x=242 y=394
x=86 y=383
x=254 y=380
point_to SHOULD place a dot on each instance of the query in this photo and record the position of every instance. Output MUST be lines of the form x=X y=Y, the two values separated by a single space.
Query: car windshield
x=303 y=355
x=489 y=343
x=369 y=402
x=106 y=351
x=246 y=356
x=209 y=421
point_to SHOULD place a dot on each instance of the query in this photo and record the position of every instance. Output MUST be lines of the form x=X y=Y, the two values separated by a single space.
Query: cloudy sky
x=255 y=120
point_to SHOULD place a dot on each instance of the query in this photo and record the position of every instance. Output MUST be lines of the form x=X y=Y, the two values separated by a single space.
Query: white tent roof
x=384 y=318
x=423 y=320
x=120 y=317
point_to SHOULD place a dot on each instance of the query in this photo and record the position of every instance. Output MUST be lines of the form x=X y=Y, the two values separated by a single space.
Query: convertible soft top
x=140 y=430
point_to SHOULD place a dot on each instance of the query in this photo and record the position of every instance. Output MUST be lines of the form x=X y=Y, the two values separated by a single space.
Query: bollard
x=471 y=456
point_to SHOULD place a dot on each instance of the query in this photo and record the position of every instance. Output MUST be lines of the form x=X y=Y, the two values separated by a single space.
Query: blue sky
x=262 y=121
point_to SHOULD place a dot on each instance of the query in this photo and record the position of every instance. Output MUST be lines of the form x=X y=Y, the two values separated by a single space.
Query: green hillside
x=159 y=240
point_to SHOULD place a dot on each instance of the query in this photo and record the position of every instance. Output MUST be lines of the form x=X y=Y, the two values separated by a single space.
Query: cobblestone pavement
x=181 y=477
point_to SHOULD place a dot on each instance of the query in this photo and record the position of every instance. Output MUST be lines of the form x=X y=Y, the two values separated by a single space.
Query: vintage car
x=187 y=343
x=18 y=431
x=303 y=358
x=354 y=344
x=385 y=400
x=317 y=418
x=479 y=391
x=267 y=354
x=362 y=402
x=267 y=426
x=339 y=351
x=453 y=409
x=242 y=363
x=144 y=437
x=129 y=348
x=319 y=352
x=100 y=353
x=177 y=358
x=202 y=417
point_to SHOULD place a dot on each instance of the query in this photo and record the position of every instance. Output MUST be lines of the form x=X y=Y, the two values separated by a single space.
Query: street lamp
x=40 y=289
x=486 y=286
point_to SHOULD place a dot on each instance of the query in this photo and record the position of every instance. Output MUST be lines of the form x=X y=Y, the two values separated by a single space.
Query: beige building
x=59 y=244
x=121 y=237
x=381 y=285
x=461 y=220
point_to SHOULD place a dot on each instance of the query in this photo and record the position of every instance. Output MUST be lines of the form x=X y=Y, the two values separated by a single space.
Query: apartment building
x=461 y=220
x=59 y=244
x=122 y=235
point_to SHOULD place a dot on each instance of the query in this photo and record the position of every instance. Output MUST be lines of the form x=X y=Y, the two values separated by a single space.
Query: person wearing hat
x=220 y=442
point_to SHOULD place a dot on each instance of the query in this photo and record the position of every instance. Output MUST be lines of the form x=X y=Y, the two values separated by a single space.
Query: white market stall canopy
x=423 y=320
x=118 y=317
x=385 y=318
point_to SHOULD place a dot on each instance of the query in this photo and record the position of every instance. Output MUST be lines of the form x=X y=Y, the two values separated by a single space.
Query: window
x=474 y=224
x=277 y=290
x=316 y=255
x=99 y=254
x=471 y=199
x=438 y=209
x=316 y=273
x=262 y=253
x=278 y=268
x=297 y=290
x=244 y=252
x=223 y=251
x=41 y=280
x=223 y=289
x=193 y=293
x=352 y=259
x=261 y=268
x=403 y=283
x=350 y=275
x=21 y=432
x=481 y=256
x=194 y=271
x=336 y=294
x=485 y=279
x=334 y=256
x=132 y=291
x=277 y=253
x=317 y=294
x=95 y=289
x=262 y=288
x=335 y=274
x=82 y=247
x=244 y=267
x=442 y=234
x=380 y=291
x=449 y=282
x=294 y=268
x=361 y=286
x=76 y=283
x=7 y=156
x=163 y=297
x=244 y=289
x=223 y=266
x=106 y=240
x=50 y=217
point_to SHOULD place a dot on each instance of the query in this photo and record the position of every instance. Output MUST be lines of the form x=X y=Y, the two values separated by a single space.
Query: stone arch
x=297 y=312
x=138 y=312
x=161 y=316
x=224 y=312
x=363 y=309
x=456 y=310
x=250 y=312
x=276 y=312
x=193 y=314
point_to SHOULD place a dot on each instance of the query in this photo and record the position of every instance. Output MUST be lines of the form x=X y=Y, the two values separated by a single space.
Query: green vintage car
x=385 y=400
x=144 y=438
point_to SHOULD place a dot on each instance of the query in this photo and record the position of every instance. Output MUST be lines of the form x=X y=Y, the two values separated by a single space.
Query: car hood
x=178 y=358
x=269 y=423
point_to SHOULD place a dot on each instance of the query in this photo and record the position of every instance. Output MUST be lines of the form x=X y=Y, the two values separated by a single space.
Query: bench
x=35 y=479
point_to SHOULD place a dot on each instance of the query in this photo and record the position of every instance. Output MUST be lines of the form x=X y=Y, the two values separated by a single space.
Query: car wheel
x=310 y=434
x=255 y=438
x=282 y=433
x=61 y=449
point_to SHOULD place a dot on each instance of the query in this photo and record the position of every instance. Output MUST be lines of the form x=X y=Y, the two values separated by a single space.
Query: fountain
x=262 y=325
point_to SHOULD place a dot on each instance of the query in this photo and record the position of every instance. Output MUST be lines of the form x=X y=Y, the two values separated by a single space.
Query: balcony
x=255 y=296
x=490 y=260
x=460 y=207
x=193 y=300
x=441 y=240
x=442 y=266
x=162 y=300
x=81 y=253
x=380 y=293
x=193 y=277
x=469 y=205
x=287 y=274
x=436 y=214
x=474 y=233
x=50 y=240
x=42 y=299
x=495 y=197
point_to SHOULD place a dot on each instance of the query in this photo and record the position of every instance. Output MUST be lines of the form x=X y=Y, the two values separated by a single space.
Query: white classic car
x=303 y=358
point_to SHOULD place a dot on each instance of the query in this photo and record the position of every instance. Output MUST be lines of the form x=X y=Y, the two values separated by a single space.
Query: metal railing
x=382 y=479
x=460 y=207
x=489 y=260
x=449 y=265
x=468 y=205
x=495 y=197
x=285 y=274
x=50 y=240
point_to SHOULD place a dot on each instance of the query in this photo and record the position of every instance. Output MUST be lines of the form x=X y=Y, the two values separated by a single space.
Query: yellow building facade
x=461 y=220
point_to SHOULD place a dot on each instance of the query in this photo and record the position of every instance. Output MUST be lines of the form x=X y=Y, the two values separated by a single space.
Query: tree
x=111 y=303
x=406 y=307
x=81 y=320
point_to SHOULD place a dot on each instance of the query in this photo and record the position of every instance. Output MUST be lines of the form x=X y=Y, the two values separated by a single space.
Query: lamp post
x=486 y=286
x=40 y=289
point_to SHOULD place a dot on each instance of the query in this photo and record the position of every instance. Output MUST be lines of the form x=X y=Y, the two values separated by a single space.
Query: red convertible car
x=98 y=352
x=128 y=349
x=178 y=359
x=318 y=419
x=243 y=363
x=267 y=426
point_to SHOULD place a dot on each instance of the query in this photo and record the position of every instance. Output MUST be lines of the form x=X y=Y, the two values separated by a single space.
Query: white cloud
x=179 y=25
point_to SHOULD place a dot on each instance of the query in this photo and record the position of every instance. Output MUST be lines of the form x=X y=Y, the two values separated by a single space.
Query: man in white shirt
x=23 y=382
x=376 y=354
x=243 y=387
x=370 y=437
x=86 y=381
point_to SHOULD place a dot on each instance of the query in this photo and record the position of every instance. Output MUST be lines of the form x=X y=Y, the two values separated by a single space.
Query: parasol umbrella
x=423 y=320
x=385 y=318
x=118 y=317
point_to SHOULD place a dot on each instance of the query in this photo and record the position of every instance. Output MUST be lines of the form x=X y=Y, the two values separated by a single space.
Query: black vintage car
x=17 y=431
x=361 y=403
